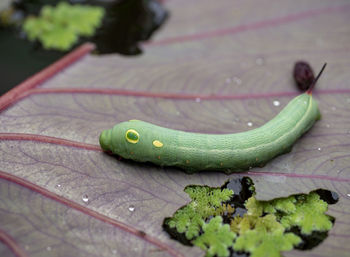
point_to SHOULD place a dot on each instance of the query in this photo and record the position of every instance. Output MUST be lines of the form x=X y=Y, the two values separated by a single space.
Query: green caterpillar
x=145 y=142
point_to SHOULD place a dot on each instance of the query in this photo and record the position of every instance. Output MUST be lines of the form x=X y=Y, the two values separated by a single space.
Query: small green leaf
x=205 y=203
x=309 y=215
x=254 y=207
x=304 y=211
x=60 y=27
x=286 y=205
x=261 y=244
x=265 y=235
x=216 y=238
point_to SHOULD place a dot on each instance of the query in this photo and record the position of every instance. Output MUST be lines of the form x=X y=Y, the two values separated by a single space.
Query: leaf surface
x=213 y=69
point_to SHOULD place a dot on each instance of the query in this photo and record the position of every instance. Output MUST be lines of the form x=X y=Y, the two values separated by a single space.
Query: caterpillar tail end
x=105 y=140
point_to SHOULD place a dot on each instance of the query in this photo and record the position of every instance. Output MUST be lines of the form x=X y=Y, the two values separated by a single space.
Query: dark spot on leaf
x=303 y=75
x=238 y=254
x=329 y=197
x=127 y=24
x=240 y=211
x=141 y=233
x=243 y=188
x=309 y=241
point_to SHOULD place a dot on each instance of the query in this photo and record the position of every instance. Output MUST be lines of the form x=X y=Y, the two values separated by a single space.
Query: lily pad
x=215 y=68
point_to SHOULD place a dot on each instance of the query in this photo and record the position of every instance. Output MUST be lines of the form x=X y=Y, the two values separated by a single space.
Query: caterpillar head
x=131 y=140
x=105 y=139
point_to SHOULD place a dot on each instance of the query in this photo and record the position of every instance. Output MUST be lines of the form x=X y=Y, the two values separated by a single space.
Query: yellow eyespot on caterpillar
x=157 y=143
x=224 y=152
x=132 y=136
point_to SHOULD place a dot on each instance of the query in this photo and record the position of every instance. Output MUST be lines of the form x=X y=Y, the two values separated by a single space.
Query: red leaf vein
x=94 y=214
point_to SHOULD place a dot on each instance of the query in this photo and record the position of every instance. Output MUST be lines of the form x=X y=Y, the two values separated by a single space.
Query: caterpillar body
x=145 y=142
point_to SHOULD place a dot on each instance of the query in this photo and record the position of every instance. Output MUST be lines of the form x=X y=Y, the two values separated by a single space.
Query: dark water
x=126 y=24
x=20 y=59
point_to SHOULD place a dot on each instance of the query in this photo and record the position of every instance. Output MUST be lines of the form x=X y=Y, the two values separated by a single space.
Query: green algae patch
x=216 y=238
x=205 y=202
x=230 y=221
x=261 y=234
x=60 y=27
x=304 y=211
x=267 y=235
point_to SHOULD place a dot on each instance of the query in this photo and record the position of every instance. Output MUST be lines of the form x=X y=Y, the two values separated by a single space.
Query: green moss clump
x=216 y=238
x=304 y=211
x=309 y=214
x=60 y=27
x=205 y=202
x=266 y=229
x=261 y=235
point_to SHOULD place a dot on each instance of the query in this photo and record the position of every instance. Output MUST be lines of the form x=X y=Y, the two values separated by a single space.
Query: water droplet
x=250 y=124
x=58 y=185
x=348 y=195
x=276 y=103
x=320 y=149
x=198 y=100
x=131 y=208
x=48 y=248
x=85 y=198
x=333 y=108
x=228 y=80
x=114 y=251
x=328 y=125
x=237 y=80
x=259 y=61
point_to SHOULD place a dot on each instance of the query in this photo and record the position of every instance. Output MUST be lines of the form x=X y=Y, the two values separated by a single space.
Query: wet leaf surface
x=220 y=69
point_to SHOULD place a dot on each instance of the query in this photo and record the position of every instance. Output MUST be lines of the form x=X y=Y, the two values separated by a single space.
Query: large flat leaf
x=214 y=68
